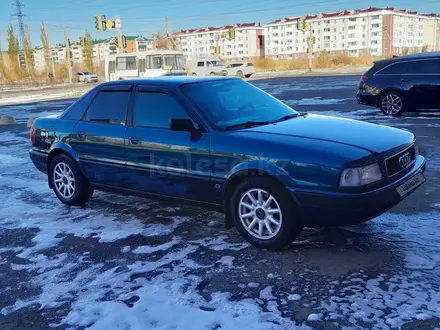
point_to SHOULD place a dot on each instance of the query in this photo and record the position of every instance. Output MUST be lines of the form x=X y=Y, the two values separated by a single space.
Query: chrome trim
x=402 y=151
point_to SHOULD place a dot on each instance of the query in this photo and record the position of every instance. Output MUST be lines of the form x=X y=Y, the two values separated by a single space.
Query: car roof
x=410 y=57
x=170 y=80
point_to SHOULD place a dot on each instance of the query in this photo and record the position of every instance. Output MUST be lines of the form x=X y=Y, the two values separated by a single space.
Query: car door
x=99 y=137
x=421 y=81
x=162 y=161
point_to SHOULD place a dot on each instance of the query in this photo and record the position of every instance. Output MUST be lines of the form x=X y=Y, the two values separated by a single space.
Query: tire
x=392 y=104
x=240 y=74
x=194 y=74
x=290 y=226
x=86 y=81
x=79 y=192
x=248 y=75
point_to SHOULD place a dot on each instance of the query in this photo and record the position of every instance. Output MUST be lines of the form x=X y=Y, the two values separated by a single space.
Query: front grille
x=400 y=161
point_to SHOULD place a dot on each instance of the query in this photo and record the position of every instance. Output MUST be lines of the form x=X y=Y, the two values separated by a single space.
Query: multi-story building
x=248 y=42
x=138 y=44
x=377 y=31
x=432 y=32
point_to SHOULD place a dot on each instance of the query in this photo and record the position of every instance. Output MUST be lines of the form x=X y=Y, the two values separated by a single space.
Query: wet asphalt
x=55 y=260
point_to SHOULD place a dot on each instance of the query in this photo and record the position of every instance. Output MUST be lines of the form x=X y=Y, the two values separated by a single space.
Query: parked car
x=226 y=145
x=403 y=83
x=241 y=69
x=86 y=77
x=208 y=67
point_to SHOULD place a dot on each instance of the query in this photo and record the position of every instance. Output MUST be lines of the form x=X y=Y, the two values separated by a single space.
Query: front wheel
x=392 y=104
x=240 y=74
x=69 y=184
x=264 y=213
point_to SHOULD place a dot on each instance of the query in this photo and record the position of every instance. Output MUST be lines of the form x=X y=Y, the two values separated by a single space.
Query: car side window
x=109 y=107
x=395 y=68
x=76 y=110
x=155 y=109
x=200 y=64
x=424 y=67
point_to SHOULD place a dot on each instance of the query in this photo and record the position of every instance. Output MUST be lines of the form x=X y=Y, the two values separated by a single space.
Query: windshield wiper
x=248 y=124
x=284 y=118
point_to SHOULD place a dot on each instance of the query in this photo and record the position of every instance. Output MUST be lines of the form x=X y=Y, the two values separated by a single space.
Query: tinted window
x=109 y=107
x=154 y=109
x=396 y=68
x=200 y=63
x=76 y=110
x=424 y=66
x=250 y=64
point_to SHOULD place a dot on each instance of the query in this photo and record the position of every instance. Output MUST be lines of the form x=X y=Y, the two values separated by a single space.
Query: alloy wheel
x=392 y=104
x=260 y=214
x=64 y=180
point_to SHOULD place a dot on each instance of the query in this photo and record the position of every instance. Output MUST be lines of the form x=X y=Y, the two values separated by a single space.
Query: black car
x=410 y=83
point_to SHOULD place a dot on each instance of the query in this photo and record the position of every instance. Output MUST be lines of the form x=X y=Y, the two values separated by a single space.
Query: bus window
x=155 y=62
x=126 y=63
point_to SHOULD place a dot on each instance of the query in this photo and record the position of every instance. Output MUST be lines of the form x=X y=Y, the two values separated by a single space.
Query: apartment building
x=377 y=31
x=248 y=42
x=138 y=44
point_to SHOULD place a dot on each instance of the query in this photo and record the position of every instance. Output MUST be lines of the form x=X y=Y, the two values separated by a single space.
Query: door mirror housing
x=182 y=125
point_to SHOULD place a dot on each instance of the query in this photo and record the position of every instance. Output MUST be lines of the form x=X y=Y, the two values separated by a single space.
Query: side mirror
x=283 y=101
x=182 y=125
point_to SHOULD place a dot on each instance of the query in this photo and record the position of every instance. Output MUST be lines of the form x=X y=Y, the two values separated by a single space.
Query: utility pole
x=19 y=14
x=310 y=48
x=69 y=63
x=121 y=46
x=166 y=32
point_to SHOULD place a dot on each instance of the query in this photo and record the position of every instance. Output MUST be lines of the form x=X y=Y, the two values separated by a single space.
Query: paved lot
x=131 y=263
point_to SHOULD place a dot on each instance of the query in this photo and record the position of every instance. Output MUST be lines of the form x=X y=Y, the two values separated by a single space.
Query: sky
x=145 y=17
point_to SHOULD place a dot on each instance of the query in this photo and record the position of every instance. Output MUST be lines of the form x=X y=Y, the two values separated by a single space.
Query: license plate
x=411 y=184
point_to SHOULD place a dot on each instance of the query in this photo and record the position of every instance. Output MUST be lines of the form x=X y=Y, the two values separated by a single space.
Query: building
x=138 y=44
x=39 y=59
x=376 y=31
x=432 y=32
x=247 y=42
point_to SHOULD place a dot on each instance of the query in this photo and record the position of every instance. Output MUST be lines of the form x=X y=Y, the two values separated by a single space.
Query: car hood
x=372 y=137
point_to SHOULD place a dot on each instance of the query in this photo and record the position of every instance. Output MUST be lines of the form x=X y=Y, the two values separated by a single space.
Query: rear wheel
x=212 y=74
x=69 y=184
x=392 y=104
x=194 y=74
x=86 y=81
x=264 y=213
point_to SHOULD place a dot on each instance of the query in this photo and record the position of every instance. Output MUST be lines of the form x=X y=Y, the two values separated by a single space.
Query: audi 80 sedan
x=229 y=146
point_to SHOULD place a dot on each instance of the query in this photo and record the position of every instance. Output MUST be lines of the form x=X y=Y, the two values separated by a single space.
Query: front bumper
x=339 y=209
x=39 y=159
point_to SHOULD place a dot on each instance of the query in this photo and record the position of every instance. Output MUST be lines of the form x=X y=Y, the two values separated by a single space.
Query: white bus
x=144 y=64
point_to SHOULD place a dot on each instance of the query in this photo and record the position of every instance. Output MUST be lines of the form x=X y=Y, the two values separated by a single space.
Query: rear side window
x=76 y=110
x=109 y=107
x=424 y=67
x=250 y=64
x=395 y=68
x=154 y=109
x=199 y=64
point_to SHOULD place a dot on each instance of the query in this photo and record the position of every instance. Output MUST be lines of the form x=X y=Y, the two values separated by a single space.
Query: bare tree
x=88 y=52
x=164 y=41
x=28 y=52
x=44 y=37
x=2 y=62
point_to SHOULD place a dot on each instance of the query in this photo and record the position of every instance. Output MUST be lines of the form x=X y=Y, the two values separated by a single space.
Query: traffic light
x=82 y=41
x=304 y=24
x=313 y=40
x=124 y=42
x=231 y=33
x=308 y=50
x=103 y=21
x=118 y=42
x=217 y=50
x=98 y=22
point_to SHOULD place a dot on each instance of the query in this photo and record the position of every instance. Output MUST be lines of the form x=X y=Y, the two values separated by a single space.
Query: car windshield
x=233 y=102
x=173 y=62
x=87 y=73
x=215 y=63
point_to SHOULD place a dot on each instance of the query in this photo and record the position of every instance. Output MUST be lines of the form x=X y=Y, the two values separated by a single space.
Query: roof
x=170 y=80
x=347 y=12
x=148 y=52
x=410 y=57
x=220 y=28
x=141 y=38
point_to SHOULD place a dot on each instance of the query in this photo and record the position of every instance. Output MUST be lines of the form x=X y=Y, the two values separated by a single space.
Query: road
x=131 y=263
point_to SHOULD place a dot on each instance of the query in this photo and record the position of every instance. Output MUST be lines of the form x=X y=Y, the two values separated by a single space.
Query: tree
x=2 y=63
x=88 y=52
x=405 y=51
x=28 y=53
x=164 y=41
x=13 y=52
x=44 y=37
x=425 y=48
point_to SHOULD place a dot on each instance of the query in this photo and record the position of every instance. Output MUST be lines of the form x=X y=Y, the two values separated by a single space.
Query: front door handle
x=405 y=80
x=134 y=139
x=81 y=135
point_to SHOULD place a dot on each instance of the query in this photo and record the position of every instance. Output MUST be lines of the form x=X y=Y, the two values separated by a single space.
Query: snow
x=294 y=297
x=316 y=101
x=313 y=317
x=152 y=249
x=39 y=97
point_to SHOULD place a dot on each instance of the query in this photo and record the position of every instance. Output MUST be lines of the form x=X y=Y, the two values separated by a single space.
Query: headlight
x=360 y=176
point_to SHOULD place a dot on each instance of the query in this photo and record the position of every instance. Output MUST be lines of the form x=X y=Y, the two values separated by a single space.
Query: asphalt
x=61 y=267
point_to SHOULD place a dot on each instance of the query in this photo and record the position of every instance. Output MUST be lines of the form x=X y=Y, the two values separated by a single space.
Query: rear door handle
x=134 y=139
x=405 y=80
x=81 y=135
